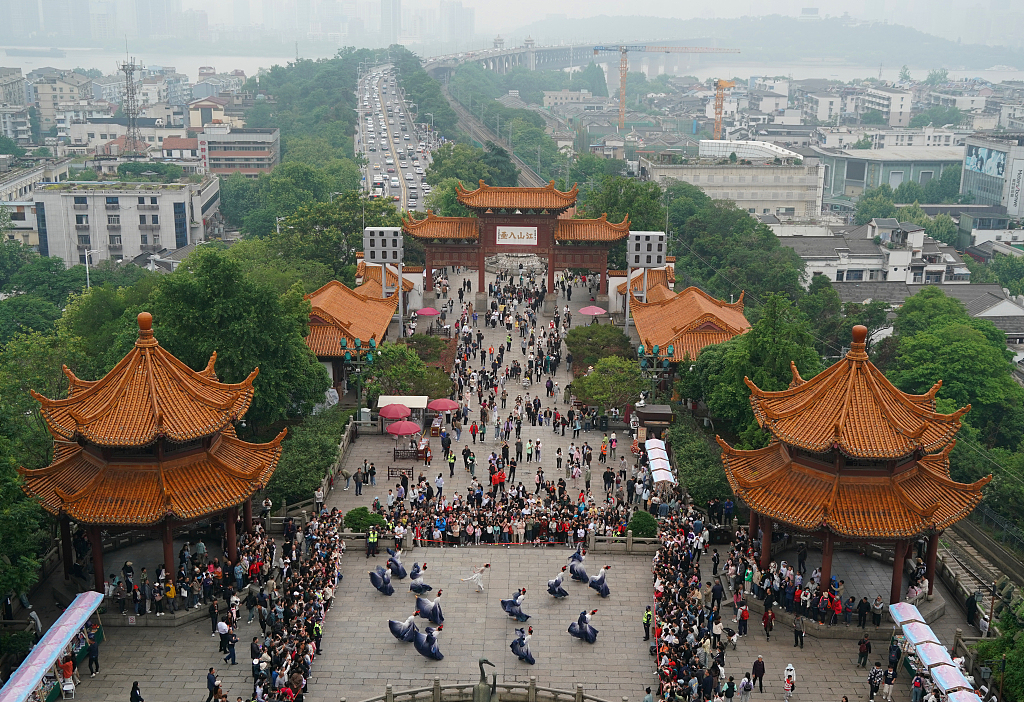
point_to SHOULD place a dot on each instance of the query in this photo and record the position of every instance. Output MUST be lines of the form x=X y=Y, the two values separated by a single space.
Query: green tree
x=23 y=533
x=503 y=171
x=872 y=117
x=943 y=228
x=13 y=254
x=620 y=197
x=614 y=382
x=908 y=192
x=863 y=143
x=875 y=203
x=460 y=161
x=938 y=116
x=42 y=151
x=589 y=343
x=398 y=370
x=591 y=78
x=443 y=199
x=307 y=454
x=937 y=76
x=10 y=147
x=905 y=74
x=209 y=305
x=23 y=313
x=698 y=461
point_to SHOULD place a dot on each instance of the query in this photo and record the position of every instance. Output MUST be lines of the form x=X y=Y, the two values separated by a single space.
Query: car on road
x=403 y=164
x=391 y=169
x=413 y=204
x=406 y=137
x=376 y=166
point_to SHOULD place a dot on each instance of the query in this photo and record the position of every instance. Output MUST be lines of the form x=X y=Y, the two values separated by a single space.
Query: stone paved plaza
x=361 y=656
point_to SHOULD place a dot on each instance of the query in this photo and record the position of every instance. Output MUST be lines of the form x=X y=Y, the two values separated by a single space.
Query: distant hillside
x=779 y=39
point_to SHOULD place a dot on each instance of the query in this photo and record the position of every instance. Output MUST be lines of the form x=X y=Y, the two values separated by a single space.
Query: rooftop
x=916 y=154
x=341 y=313
x=498 y=198
x=688 y=322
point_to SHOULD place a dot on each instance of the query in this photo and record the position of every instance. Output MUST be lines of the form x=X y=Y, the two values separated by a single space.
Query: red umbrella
x=404 y=428
x=428 y=312
x=395 y=411
x=593 y=310
x=443 y=405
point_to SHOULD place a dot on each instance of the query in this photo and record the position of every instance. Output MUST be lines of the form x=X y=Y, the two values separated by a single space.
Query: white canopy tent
x=661 y=468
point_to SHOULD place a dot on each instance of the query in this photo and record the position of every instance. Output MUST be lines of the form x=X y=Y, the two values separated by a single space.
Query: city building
x=19 y=180
x=823 y=107
x=225 y=150
x=12 y=87
x=23 y=223
x=390 y=21
x=80 y=111
x=565 y=96
x=894 y=104
x=55 y=88
x=851 y=458
x=788 y=191
x=993 y=170
x=109 y=88
x=882 y=250
x=87 y=137
x=118 y=220
x=849 y=172
x=150 y=445
x=210 y=110
x=457 y=25
x=16 y=124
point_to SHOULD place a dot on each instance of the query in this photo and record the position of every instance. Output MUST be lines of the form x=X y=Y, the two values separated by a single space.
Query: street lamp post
x=356 y=362
x=88 y=265
x=652 y=365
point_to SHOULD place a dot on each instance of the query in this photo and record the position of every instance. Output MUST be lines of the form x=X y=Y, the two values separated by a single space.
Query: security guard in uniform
x=371 y=542
x=647 y=624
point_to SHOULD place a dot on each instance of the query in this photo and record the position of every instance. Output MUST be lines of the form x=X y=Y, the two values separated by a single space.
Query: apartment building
x=226 y=150
x=15 y=124
x=86 y=137
x=823 y=107
x=55 y=88
x=95 y=221
x=12 y=87
x=894 y=104
x=993 y=170
x=565 y=96
x=18 y=183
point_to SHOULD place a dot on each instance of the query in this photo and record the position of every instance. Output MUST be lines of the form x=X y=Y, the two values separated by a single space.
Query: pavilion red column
x=551 y=272
x=66 y=547
x=933 y=550
x=97 y=556
x=168 y=539
x=229 y=522
x=899 y=558
x=481 y=286
x=766 y=542
x=247 y=515
x=604 y=274
x=752 y=527
x=826 y=559
x=428 y=286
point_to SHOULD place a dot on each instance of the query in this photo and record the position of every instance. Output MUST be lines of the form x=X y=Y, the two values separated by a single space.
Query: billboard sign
x=1014 y=195
x=984 y=160
x=517 y=236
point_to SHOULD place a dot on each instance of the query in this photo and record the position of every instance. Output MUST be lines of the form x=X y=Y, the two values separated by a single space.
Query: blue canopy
x=948 y=678
x=918 y=634
x=40 y=660
x=932 y=655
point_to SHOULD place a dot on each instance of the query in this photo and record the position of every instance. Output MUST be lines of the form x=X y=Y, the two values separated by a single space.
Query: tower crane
x=624 y=49
x=720 y=86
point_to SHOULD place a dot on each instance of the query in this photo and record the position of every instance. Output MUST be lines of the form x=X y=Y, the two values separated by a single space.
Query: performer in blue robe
x=404 y=631
x=417 y=585
x=426 y=643
x=581 y=628
x=512 y=606
x=381 y=579
x=431 y=609
x=598 y=582
x=555 y=588
x=521 y=646
x=395 y=562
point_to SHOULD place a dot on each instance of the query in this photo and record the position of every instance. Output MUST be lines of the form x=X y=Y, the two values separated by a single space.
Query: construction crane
x=720 y=86
x=624 y=50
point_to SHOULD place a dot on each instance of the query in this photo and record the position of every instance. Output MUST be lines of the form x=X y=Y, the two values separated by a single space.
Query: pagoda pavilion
x=150 y=445
x=852 y=459
x=517 y=221
x=686 y=322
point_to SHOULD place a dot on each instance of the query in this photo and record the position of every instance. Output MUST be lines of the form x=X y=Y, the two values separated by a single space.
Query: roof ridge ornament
x=146 y=338
x=858 y=349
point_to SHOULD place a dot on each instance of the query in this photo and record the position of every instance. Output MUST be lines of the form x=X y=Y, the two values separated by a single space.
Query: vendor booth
x=923 y=654
x=39 y=677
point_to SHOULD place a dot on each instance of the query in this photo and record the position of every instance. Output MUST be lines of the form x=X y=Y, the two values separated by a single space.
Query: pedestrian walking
x=798 y=631
x=746 y=687
x=863 y=651
x=768 y=622
x=94 y=657
x=874 y=680
x=758 y=673
x=136 y=695
x=787 y=688
x=888 y=680
x=229 y=644
x=212 y=683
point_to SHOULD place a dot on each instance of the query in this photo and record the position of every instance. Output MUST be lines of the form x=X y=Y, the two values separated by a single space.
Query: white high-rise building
x=390 y=21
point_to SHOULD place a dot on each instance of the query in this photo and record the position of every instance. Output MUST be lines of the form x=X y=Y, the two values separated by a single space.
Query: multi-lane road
x=395 y=149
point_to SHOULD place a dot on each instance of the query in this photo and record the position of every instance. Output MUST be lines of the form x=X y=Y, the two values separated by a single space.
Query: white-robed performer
x=598 y=582
x=555 y=588
x=431 y=609
x=417 y=585
x=581 y=628
x=521 y=645
x=404 y=631
x=381 y=579
x=477 y=578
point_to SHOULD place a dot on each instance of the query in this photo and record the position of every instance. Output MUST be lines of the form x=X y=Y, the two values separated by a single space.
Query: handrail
x=529 y=691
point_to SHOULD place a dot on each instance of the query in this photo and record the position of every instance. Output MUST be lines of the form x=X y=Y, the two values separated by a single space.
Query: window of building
x=144 y=239
x=152 y=200
x=84 y=240
x=112 y=201
x=839 y=276
x=895 y=179
x=82 y=219
x=114 y=220
x=142 y=219
x=142 y=201
x=91 y=135
x=926 y=176
x=80 y=200
x=854 y=275
x=155 y=219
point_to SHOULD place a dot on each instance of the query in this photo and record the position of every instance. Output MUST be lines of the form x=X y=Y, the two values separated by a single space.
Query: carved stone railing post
x=579 y=693
x=437 y=689
x=629 y=541
x=389 y=693
x=531 y=695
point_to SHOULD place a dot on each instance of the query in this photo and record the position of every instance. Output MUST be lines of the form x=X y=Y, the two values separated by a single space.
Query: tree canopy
x=614 y=382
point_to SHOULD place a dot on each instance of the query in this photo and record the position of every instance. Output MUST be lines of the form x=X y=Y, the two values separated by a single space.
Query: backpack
x=863 y=648
x=748 y=686
x=745 y=614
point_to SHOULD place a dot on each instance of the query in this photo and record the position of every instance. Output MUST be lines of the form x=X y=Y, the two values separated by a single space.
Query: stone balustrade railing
x=507 y=692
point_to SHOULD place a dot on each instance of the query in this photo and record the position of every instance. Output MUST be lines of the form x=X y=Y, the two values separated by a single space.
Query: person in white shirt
x=439 y=484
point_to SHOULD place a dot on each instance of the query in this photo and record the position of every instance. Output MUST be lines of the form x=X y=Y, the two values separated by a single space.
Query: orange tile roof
x=853 y=406
x=655 y=277
x=434 y=227
x=920 y=498
x=487 y=198
x=689 y=321
x=340 y=313
x=659 y=293
x=148 y=395
x=599 y=229
x=371 y=272
x=139 y=491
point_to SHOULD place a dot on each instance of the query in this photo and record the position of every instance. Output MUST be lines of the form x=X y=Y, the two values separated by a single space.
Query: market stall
x=657 y=456
x=38 y=678
x=922 y=654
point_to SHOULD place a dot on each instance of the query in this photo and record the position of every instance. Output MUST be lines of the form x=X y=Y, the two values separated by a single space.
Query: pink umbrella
x=443 y=405
x=404 y=428
x=428 y=312
x=593 y=311
x=395 y=411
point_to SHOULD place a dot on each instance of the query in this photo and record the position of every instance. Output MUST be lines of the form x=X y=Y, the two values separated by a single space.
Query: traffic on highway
x=396 y=149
